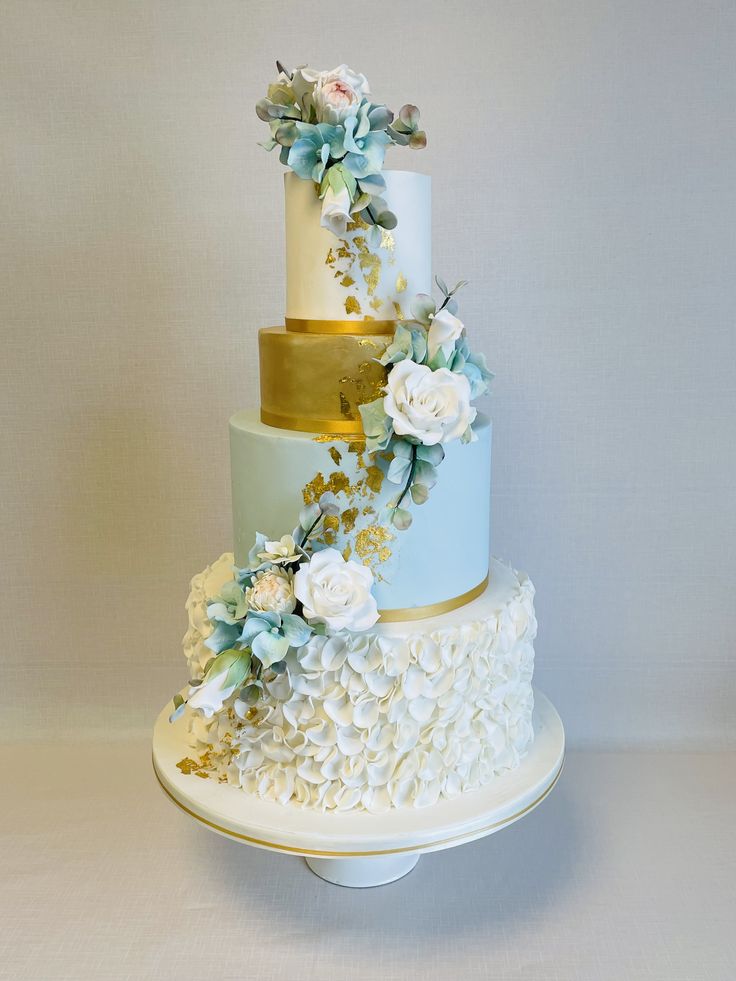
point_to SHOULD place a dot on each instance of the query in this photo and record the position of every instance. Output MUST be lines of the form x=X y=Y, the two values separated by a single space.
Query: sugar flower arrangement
x=433 y=376
x=291 y=589
x=331 y=132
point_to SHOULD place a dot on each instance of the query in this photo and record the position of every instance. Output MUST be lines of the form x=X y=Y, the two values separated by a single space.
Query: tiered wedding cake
x=372 y=658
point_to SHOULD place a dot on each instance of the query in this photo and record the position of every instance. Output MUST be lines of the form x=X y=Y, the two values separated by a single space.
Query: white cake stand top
x=400 y=832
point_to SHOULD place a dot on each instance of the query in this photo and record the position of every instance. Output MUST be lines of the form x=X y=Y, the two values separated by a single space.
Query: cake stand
x=356 y=848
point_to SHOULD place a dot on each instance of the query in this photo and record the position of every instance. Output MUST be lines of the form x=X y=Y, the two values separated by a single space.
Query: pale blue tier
x=444 y=553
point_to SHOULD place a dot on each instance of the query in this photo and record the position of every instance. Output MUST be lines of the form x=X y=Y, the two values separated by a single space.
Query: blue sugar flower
x=309 y=154
x=223 y=637
x=473 y=365
x=366 y=147
x=230 y=606
x=226 y=612
x=270 y=635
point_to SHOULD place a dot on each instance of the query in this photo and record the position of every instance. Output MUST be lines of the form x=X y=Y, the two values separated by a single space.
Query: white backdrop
x=582 y=154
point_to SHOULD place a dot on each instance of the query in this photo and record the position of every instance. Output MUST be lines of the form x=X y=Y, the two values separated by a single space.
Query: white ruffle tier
x=402 y=715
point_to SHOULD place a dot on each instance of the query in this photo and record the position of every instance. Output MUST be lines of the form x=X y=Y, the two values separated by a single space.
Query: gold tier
x=314 y=383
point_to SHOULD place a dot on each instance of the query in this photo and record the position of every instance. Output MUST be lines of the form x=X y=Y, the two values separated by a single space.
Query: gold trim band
x=434 y=609
x=303 y=424
x=300 y=326
x=453 y=839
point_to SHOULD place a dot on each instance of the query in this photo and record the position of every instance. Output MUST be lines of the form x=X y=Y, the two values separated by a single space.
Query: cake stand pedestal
x=356 y=848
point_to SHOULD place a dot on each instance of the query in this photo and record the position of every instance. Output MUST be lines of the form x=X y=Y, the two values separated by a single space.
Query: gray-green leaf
x=402 y=448
x=423 y=306
x=401 y=519
x=398 y=469
x=419 y=493
x=308 y=515
x=425 y=473
x=432 y=454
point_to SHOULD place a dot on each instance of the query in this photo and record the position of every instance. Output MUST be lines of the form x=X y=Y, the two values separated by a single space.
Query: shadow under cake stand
x=356 y=848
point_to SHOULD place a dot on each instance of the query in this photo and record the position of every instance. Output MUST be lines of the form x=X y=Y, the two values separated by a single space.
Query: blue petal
x=269 y=648
x=308 y=131
x=333 y=136
x=372 y=184
x=350 y=123
x=258 y=546
x=253 y=626
x=379 y=117
x=224 y=636
x=302 y=158
x=295 y=630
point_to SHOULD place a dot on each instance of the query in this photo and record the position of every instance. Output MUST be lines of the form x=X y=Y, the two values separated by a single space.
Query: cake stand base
x=356 y=848
x=361 y=873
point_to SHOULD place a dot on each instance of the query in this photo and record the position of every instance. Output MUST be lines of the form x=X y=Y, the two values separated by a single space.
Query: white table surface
x=627 y=871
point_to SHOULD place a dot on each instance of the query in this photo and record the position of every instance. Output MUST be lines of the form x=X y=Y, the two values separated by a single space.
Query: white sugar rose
x=335 y=592
x=338 y=94
x=444 y=330
x=336 y=210
x=272 y=592
x=432 y=406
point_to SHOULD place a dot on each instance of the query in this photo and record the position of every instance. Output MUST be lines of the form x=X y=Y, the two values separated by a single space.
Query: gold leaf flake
x=371 y=544
x=349 y=517
x=336 y=482
x=347 y=551
x=336 y=455
x=374 y=478
x=352 y=305
x=187 y=765
x=370 y=266
x=376 y=303
x=400 y=283
x=387 y=240
x=356 y=223
x=331 y=258
x=347 y=281
x=399 y=312
x=345 y=409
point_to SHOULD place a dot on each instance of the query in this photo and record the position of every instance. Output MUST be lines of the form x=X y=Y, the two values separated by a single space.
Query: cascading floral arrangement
x=331 y=132
x=291 y=589
x=433 y=376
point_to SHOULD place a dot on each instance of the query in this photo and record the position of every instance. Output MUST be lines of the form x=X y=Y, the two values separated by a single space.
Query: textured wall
x=583 y=157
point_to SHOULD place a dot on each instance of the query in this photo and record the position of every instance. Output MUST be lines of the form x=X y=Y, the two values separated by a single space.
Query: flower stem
x=313 y=526
x=410 y=478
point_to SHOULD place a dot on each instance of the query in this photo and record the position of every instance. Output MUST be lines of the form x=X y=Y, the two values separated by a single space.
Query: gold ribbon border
x=305 y=424
x=433 y=609
x=301 y=326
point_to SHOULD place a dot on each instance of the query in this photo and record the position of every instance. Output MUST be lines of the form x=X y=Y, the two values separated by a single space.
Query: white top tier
x=331 y=278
